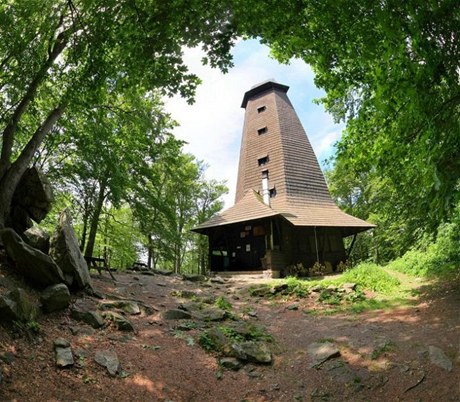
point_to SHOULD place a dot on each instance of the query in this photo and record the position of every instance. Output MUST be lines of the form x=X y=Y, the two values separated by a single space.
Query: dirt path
x=384 y=355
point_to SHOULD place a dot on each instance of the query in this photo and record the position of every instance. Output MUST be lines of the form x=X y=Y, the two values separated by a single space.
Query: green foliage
x=206 y=342
x=372 y=277
x=223 y=303
x=297 y=287
x=437 y=258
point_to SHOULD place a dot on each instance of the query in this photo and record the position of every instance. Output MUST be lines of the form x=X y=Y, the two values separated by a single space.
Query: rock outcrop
x=55 y=298
x=65 y=251
x=32 y=199
x=34 y=265
x=16 y=306
x=38 y=238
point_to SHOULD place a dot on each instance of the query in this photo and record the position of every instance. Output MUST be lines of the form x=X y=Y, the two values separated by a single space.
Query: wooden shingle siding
x=302 y=198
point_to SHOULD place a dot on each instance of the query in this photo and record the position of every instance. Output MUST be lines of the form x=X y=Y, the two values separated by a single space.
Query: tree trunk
x=150 y=251
x=95 y=219
x=10 y=130
x=13 y=174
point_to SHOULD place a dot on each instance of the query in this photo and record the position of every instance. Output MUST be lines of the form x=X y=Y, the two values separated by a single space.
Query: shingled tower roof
x=274 y=144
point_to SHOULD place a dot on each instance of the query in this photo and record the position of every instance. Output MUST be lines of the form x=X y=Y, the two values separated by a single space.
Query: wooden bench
x=99 y=264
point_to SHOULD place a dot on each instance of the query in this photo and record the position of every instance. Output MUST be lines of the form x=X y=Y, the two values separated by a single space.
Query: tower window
x=272 y=192
x=261 y=109
x=263 y=161
x=262 y=130
x=264 y=174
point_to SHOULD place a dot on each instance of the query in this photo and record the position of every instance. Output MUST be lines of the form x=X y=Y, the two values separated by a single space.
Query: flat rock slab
x=439 y=358
x=176 y=314
x=64 y=357
x=109 y=360
x=127 y=306
x=322 y=351
x=92 y=318
x=255 y=352
x=120 y=322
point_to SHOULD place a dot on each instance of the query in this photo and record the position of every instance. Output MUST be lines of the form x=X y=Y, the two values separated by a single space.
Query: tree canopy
x=390 y=70
x=60 y=56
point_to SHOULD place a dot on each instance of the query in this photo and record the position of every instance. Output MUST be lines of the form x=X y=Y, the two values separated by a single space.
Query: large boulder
x=34 y=193
x=38 y=238
x=56 y=297
x=17 y=306
x=19 y=219
x=65 y=251
x=36 y=266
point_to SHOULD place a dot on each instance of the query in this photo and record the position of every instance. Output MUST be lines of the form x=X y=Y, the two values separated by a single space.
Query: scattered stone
x=210 y=314
x=439 y=358
x=61 y=343
x=190 y=306
x=55 y=297
x=322 y=351
x=64 y=356
x=316 y=289
x=252 y=313
x=220 y=342
x=109 y=360
x=65 y=250
x=261 y=292
x=193 y=277
x=36 y=266
x=85 y=331
x=253 y=373
x=176 y=314
x=38 y=238
x=280 y=288
x=92 y=318
x=349 y=287
x=217 y=279
x=119 y=321
x=95 y=293
x=127 y=306
x=256 y=352
x=230 y=363
x=162 y=272
x=294 y=306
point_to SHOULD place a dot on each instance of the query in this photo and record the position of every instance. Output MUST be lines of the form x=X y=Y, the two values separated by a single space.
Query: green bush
x=372 y=277
x=436 y=258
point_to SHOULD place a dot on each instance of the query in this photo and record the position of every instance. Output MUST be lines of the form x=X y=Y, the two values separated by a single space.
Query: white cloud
x=213 y=125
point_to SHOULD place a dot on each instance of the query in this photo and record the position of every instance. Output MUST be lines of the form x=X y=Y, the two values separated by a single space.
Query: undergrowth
x=371 y=277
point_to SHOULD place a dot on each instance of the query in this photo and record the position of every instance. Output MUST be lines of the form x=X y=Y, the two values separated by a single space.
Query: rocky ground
x=143 y=338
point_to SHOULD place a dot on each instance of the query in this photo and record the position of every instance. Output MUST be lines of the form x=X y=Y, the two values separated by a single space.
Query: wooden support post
x=350 y=249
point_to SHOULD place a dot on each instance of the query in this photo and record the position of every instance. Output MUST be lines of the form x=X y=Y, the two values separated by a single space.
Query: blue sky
x=213 y=125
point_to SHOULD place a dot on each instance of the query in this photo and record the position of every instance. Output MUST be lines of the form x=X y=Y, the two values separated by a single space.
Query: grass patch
x=371 y=277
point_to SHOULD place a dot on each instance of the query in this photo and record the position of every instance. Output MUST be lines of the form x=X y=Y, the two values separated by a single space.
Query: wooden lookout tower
x=283 y=212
